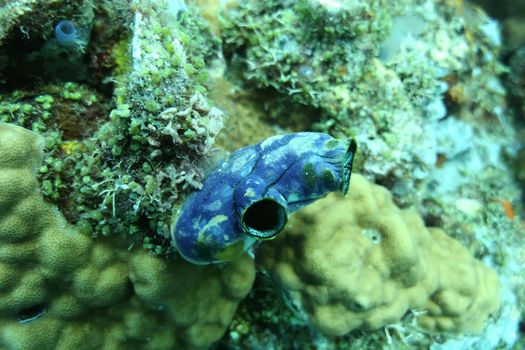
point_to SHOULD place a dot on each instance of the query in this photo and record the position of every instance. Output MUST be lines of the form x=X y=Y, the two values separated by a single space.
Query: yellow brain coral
x=62 y=290
x=362 y=263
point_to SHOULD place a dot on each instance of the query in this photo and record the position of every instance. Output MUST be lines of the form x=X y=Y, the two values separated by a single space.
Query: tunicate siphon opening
x=264 y=219
x=31 y=313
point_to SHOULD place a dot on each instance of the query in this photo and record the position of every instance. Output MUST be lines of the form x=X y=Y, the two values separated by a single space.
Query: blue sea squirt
x=66 y=33
x=248 y=197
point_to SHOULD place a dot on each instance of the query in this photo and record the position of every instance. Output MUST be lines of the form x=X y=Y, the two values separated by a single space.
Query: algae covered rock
x=389 y=73
x=119 y=164
x=60 y=289
x=362 y=263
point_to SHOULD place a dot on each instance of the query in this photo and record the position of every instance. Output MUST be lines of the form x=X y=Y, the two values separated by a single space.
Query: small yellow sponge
x=361 y=263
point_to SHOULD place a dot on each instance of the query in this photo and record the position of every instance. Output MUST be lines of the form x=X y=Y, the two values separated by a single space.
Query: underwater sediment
x=114 y=115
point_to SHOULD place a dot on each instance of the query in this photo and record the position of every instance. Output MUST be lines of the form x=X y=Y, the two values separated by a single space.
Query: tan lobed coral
x=361 y=263
x=62 y=290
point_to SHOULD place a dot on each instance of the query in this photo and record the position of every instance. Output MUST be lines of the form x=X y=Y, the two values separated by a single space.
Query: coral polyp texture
x=58 y=287
x=377 y=262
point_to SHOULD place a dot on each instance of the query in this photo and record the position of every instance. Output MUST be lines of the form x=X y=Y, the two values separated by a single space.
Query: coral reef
x=376 y=263
x=422 y=88
x=133 y=169
x=59 y=287
x=130 y=110
x=372 y=81
x=123 y=175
